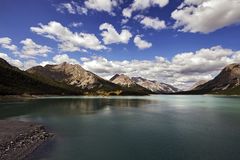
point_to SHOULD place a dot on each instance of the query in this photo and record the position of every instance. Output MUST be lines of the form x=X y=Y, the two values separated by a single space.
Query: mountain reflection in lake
x=67 y=106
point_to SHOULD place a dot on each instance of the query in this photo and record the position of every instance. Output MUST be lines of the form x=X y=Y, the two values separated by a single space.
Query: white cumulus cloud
x=60 y=58
x=149 y=22
x=140 y=43
x=31 y=49
x=68 y=41
x=142 y=5
x=6 y=42
x=72 y=8
x=110 y=35
x=206 y=15
x=102 y=5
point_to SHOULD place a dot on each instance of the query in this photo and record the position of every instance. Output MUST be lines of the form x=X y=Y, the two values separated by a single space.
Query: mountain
x=154 y=86
x=127 y=82
x=228 y=78
x=123 y=80
x=14 y=81
x=199 y=83
x=75 y=75
x=226 y=82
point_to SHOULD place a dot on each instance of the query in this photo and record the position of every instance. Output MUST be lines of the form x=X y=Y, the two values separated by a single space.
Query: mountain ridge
x=226 y=82
x=75 y=75
x=14 y=81
x=126 y=81
x=155 y=86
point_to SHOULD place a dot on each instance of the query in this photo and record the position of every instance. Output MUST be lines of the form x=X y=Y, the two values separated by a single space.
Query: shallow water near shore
x=166 y=127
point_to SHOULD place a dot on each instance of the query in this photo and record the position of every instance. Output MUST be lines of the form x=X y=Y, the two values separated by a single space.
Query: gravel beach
x=19 y=139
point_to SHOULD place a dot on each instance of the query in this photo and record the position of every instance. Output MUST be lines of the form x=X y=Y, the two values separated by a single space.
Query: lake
x=157 y=127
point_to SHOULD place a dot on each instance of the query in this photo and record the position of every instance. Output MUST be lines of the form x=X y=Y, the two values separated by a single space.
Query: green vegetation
x=230 y=91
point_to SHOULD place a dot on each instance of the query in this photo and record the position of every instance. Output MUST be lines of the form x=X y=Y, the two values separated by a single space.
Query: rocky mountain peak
x=233 y=69
x=122 y=79
x=229 y=73
x=71 y=74
x=66 y=67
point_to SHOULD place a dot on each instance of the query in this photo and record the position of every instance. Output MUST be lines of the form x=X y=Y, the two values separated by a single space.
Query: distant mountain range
x=226 y=82
x=154 y=86
x=127 y=82
x=72 y=79
x=143 y=84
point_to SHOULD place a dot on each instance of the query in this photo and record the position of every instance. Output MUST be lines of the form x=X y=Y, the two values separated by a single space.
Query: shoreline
x=13 y=98
x=20 y=139
x=17 y=97
x=31 y=97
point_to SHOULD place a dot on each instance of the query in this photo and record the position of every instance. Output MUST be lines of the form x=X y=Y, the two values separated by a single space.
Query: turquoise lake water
x=158 y=127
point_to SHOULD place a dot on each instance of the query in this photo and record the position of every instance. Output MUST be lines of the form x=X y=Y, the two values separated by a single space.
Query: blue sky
x=154 y=29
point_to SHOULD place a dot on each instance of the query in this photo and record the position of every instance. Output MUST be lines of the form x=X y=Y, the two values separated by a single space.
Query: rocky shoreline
x=19 y=139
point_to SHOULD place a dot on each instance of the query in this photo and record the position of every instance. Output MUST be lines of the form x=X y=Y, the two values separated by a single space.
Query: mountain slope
x=127 y=82
x=226 y=82
x=228 y=78
x=154 y=86
x=13 y=81
x=75 y=75
x=123 y=80
x=197 y=84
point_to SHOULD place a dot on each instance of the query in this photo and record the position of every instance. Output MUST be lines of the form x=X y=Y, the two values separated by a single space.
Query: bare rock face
x=122 y=80
x=154 y=86
x=228 y=78
x=71 y=74
x=127 y=82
